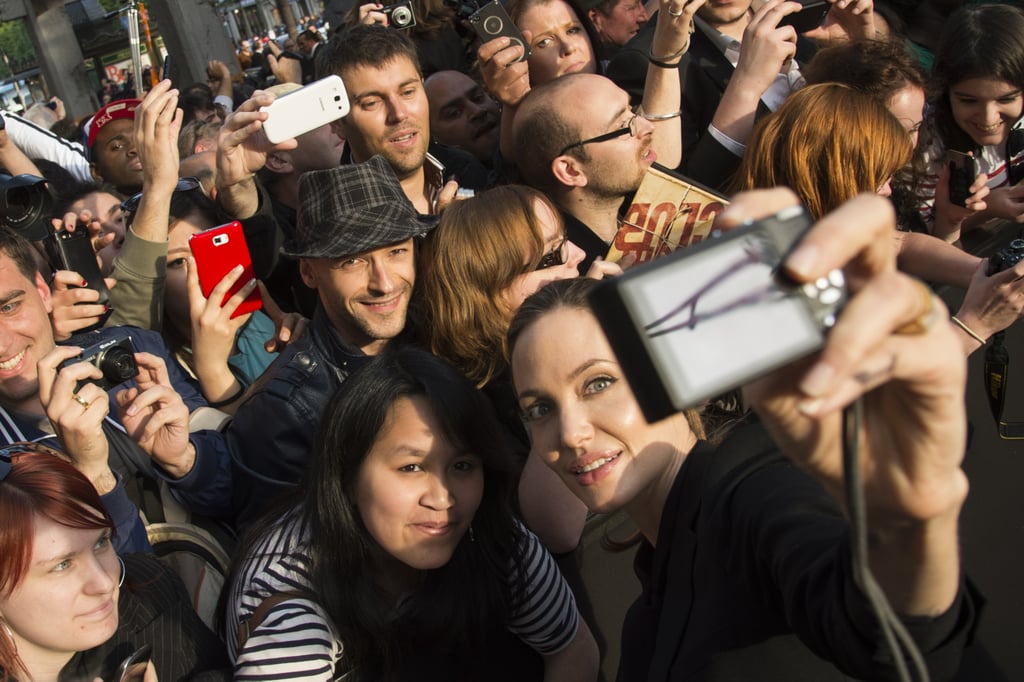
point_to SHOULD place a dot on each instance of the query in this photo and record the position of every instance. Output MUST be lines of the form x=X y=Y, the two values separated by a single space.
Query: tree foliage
x=14 y=41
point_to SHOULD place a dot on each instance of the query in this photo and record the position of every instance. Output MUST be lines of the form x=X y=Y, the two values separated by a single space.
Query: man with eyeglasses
x=580 y=141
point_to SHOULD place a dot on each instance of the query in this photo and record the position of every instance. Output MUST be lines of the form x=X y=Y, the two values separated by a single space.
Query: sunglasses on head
x=130 y=205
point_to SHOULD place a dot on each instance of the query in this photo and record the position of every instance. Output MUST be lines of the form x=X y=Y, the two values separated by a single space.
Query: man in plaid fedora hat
x=354 y=241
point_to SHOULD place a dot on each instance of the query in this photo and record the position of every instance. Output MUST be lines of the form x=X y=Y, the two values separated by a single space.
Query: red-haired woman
x=70 y=607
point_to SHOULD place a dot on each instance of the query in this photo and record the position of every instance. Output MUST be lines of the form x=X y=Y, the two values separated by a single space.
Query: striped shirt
x=296 y=640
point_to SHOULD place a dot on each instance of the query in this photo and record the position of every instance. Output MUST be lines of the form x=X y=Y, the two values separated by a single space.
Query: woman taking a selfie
x=402 y=559
x=70 y=608
x=745 y=559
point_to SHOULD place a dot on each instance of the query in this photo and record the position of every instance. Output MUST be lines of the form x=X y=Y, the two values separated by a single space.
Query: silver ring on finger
x=675 y=13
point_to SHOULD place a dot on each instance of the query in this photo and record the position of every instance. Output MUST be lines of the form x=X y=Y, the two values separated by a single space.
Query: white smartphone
x=306 y=109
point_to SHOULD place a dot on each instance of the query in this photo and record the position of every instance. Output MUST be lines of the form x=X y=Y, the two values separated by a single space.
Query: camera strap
x=997 y=376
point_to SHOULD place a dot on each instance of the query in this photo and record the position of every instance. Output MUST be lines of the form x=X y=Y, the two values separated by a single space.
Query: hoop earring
x=124 y=571
x=10 y=636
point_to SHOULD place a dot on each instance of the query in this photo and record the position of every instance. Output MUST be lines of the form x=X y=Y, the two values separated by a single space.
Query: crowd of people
x=401 y=447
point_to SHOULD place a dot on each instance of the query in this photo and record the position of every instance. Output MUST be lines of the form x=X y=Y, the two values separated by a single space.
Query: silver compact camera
x=400 y=15
x=716 y=315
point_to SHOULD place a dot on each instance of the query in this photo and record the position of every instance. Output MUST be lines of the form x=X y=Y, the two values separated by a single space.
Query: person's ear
x=44 y=293
x=568 y=171
x=95 y=173
x=308 y=273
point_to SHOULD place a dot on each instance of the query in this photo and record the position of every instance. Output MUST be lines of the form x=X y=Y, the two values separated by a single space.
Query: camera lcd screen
x=710 y=318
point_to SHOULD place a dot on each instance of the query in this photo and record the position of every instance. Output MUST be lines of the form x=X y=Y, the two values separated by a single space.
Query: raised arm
x=894 y=347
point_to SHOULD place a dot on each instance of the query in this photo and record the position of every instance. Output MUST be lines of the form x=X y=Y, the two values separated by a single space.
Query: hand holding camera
x=894 y=347
x=155 y=417
x=76 y=405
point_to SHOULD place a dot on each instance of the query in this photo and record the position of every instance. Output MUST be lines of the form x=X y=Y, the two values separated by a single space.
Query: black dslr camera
x=26 y=205
x=400 y=15
x=1007 y=257
x=115 y=358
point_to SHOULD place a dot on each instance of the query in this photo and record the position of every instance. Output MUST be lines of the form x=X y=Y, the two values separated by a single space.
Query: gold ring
x=81 y=401
x=925 y=319
x=677 y=13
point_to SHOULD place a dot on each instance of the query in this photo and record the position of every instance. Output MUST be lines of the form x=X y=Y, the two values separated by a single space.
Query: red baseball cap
x=116 y=110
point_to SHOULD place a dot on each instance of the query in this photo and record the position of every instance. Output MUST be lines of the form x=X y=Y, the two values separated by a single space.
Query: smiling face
x=555 y=242
x=67 y=599
x=389 y=116
x=416 y=493
x=558 y=44
x=986 y=108
x=25 y=334
x=463 y=115
x=584 y=421
x=365 y=296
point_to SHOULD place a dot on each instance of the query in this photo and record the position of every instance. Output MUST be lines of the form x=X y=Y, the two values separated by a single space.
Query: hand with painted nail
x=214 y=331
x=894 y=348
x=75 y=305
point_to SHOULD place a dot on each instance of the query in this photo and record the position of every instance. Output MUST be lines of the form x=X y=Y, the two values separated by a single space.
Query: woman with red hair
x=70 y=607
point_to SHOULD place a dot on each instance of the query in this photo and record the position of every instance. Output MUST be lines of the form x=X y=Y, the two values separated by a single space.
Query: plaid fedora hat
x=351 y=209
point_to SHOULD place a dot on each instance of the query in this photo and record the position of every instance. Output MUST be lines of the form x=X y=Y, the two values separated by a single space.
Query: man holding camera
x=45 y=396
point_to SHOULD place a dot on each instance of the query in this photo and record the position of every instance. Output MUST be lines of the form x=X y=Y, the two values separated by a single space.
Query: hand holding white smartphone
x=306 y=109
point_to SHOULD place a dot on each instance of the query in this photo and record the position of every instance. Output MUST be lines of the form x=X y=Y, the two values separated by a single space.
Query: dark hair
x=463 y=600
x=364 y=45
x=41 y=484
x=196 y=97
x=18 y=249
x=879 y=68
x=978 y=41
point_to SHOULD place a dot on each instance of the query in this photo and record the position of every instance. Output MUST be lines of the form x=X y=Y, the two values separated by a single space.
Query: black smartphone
x=713 y=316
x=492 y=21
x=809 y=18
x=963 y=169
x=165 y=71
x=73 y=251
x=133 y=668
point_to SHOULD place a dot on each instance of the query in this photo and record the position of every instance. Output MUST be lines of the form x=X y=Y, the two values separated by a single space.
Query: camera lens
x=118 y=365
x=401 y=16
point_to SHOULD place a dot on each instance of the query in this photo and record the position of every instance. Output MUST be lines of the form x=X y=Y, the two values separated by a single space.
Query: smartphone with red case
x=217 y=251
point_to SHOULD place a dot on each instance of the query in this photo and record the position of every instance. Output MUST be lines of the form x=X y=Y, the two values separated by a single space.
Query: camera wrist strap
x=906 y=656
x=997 y=377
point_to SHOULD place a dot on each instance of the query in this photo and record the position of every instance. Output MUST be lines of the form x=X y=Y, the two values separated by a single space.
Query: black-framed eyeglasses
x=556 y=256
x=130 y=205
x=7 y=454
x=629 y=129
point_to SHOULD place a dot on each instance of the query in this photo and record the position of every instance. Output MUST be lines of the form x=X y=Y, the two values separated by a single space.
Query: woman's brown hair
x=467 y=263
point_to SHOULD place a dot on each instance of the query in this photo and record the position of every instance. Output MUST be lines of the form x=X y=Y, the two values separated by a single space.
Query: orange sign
x=667 y=213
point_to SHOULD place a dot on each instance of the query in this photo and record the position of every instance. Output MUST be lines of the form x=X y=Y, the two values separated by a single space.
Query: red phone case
x=217 y=251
